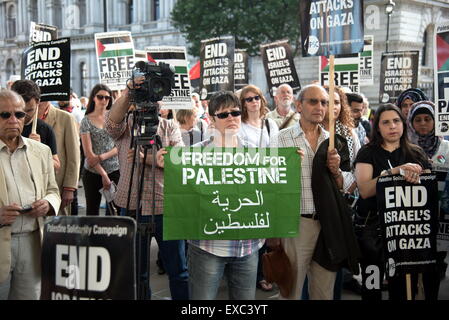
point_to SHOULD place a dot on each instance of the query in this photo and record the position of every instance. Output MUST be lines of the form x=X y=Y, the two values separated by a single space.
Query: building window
x=11 y=21
x=33 y=11
x=57 y=14
x=83 y=78
x=10 y=69
x=427 y=49
x=83 y=12
x=155 y=10
x=130 y=12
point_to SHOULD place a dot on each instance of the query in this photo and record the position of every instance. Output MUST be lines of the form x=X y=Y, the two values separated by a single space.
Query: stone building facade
x=412 y=27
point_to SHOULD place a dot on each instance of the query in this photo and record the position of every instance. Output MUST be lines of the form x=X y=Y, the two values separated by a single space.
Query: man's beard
x=286 y=104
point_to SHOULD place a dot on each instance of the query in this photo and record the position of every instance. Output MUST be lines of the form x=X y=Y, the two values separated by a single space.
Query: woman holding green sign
x=209 y=260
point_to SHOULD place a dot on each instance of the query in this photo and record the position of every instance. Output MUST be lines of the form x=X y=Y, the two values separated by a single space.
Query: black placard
x=279 y=66
x=399 y=72
x=88 y=258
x=331 y=27
x=217 y=66
x=48 y=65
x=409 y=219
x=241 y=77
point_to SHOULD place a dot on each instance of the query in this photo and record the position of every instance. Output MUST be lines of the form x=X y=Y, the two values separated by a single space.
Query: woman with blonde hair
x=187 y=120
x=256 y=129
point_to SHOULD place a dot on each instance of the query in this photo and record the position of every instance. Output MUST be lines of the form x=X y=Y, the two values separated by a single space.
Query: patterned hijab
x=413 y=94
x=345 y=132
x=429 y=142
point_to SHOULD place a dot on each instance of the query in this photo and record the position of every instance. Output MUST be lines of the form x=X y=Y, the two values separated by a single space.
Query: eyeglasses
x=7 y=115
x=314 y=102
x=250 y=99
x=101 y=97
x=224 y=115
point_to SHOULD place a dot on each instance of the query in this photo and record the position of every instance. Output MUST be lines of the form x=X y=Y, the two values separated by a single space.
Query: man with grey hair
x=283 y=114
x=309 y=137
x=28 y=193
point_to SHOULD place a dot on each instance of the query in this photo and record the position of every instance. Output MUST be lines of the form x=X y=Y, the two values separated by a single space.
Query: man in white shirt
x=283 y=114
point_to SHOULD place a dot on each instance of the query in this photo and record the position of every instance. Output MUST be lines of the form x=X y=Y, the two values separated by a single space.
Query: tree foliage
x=251 y=22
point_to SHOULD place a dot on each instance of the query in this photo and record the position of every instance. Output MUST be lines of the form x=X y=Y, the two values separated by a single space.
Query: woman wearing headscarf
x=408 y=97
x=422 y=120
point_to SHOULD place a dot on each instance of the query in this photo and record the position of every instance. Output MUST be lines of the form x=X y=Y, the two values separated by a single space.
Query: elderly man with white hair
x=284 y=115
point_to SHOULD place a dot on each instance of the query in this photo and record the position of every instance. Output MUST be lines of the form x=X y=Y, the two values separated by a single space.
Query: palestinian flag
x=443 y=51
x=195 y=71
x=346 y=63
x=115 y=46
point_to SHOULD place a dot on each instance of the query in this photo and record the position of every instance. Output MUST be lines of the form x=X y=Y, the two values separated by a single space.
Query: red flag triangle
x=195 y=72
x=150 y=58
x=324 y=62
x=100 y=48
x=442 y=52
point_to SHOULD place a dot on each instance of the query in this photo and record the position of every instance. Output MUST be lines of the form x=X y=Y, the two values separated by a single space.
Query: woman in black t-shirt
x=388 y=151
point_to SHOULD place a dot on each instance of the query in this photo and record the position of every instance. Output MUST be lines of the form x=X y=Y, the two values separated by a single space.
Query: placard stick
x=33 y=128
x=331 y=102
x=409 y=286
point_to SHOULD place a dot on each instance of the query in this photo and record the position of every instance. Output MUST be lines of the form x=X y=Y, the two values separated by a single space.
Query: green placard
x=231 y=194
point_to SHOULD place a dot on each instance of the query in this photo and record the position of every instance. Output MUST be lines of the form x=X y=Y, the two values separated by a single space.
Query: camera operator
x=118 y=125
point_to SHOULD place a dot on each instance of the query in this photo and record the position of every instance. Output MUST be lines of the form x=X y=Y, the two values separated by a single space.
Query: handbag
x=277 y=268
x=369 y=236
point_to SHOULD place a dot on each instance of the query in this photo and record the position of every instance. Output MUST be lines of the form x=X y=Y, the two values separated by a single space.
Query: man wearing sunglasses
x=68 y=144
x=28 y=192
x=307 y=135
x=284 y=115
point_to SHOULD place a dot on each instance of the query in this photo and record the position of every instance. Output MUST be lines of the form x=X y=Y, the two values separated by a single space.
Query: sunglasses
x=314 y=102
x=7 y=115
x=224 y=115
x=250 y=99
x=101 y=97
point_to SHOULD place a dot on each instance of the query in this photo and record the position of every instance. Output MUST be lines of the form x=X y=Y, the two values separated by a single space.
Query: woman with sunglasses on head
x=422 y=120
x=256 y=129
x=101 y=164
x=388 y=151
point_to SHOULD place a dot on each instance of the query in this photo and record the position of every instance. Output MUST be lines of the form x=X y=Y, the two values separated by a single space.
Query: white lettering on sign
x=408 y=196
x=215 y=50
x=78 y=267
x=276 y=53
x=399 y=63
x=43 y=54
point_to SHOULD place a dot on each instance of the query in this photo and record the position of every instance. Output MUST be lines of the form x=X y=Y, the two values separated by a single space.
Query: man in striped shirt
x=308 y=135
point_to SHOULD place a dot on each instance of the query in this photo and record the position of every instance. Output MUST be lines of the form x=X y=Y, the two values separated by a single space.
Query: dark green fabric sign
x=231 y=194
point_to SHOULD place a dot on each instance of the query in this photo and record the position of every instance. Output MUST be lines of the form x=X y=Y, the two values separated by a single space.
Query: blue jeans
x=173 y=258
x=206 y=271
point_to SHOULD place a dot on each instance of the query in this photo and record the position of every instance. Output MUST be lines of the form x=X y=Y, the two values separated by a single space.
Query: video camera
x=157 y=84
x=159 y=80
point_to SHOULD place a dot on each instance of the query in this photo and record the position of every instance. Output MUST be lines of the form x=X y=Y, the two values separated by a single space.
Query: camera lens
x=158 y=87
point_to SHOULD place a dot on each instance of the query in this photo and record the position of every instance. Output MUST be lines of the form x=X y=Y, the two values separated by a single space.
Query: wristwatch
x=387 y=172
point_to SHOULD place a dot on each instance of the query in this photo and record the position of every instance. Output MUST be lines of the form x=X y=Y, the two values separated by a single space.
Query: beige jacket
x=68 y=144
x=41 y=163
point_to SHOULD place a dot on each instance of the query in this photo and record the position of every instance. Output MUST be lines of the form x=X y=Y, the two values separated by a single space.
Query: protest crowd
x=366 y=182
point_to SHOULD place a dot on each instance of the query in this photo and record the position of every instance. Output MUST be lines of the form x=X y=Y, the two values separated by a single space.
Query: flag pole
x=409 y=286
x=331 y=103
x=33 y=128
